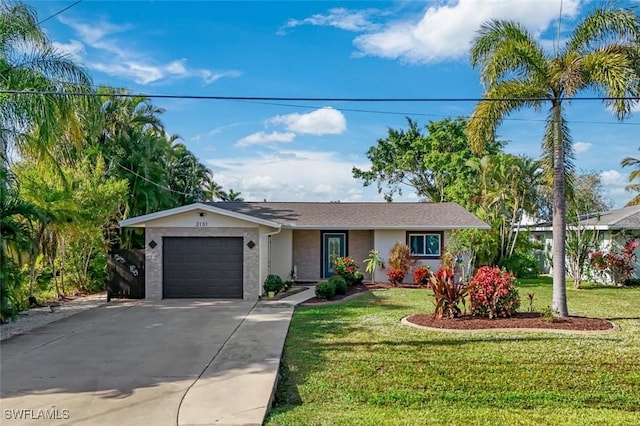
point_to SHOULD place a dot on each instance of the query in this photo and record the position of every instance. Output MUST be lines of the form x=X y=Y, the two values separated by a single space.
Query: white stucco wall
x=277 y=258
x=384 y=240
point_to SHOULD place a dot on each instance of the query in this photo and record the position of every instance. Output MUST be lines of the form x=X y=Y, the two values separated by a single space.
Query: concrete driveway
x=132 y=363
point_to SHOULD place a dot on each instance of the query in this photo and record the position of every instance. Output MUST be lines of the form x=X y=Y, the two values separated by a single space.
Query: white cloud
x=445 y=31
x=112 y=56
x=263 y=138
x=339 y=17
x=613 y=185
x=581 y=147
x=292 y=176
x=323 y=121
x=74 y=49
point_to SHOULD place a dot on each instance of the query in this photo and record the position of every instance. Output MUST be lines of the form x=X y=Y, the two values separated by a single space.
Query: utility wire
x=59 y=12
x=308 y=99
x=422 y=114
x=151 y=182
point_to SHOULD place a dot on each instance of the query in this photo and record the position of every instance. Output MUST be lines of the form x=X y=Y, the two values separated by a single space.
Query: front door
x=333 y=246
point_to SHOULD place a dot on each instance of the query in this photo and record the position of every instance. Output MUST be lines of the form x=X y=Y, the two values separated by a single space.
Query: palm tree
x=634 y=175
x=233 y=196
x=602 y=54
x=29 y=63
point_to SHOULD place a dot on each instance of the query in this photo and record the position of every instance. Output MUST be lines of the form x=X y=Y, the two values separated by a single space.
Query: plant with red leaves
x=493 y=294
x=396 y=276
x=447 y=293
x=421 y=275
x=619 y=266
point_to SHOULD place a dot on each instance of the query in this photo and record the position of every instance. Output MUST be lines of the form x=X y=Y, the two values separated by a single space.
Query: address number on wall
x=201 y=224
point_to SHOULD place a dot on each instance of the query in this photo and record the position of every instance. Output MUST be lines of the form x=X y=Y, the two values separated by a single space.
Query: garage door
x=202 y=267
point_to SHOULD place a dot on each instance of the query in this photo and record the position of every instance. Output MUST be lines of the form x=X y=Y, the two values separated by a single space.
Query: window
x=425 y=245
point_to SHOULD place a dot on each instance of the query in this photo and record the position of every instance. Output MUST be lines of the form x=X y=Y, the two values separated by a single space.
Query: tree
x=601 y=55
x=30 y=64
x=232 y=196
x=433 y=164
x=633 y=176
x=187 y=176
x=507 y=186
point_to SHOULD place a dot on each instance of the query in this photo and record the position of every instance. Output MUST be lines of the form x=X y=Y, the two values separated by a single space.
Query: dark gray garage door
x=202 y=267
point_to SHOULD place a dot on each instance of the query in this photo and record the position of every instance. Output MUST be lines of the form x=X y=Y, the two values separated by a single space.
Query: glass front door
x=333 y=246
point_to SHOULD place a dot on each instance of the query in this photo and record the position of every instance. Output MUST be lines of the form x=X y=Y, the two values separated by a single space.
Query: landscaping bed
x=518 y=320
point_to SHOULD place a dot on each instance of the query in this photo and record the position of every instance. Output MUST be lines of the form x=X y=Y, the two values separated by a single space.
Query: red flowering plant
x=492 y=293
x=347 y=268
x=421 y=275
x=617 y=265
x=448 y=295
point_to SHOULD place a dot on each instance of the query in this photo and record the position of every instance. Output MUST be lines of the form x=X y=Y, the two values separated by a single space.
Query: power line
x=422 y=114
x=152 y=182
x=59 y=12
x=308 y=99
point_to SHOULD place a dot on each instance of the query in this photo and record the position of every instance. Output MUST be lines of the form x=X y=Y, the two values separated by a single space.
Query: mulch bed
x=519 y=320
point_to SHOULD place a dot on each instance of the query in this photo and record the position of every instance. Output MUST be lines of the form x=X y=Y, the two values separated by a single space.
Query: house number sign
x=201 y=224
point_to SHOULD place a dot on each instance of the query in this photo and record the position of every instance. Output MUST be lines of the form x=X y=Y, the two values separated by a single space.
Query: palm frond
x=603 y=26
x=488 y=115
x=613 y=71
x=505 y=49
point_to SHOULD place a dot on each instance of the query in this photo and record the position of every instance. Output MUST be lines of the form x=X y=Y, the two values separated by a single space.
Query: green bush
x=325 y=290
x=273 y=283
x=521 y=265
x=288 y=284
x=340 y=284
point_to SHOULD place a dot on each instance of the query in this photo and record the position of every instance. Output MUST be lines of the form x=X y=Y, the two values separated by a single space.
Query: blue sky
x=297 y=151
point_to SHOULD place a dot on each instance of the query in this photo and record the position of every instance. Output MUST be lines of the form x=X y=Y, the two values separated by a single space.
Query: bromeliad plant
x=448 y=294
x=492 y=293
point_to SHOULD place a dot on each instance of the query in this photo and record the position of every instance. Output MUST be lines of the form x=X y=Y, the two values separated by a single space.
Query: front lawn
x=355 y=364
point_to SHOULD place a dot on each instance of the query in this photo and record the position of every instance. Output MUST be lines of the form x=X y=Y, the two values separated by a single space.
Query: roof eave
x=391 y=228
x=141 y=221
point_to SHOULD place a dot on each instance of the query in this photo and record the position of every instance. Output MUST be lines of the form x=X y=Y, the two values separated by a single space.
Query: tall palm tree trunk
x=559 y=302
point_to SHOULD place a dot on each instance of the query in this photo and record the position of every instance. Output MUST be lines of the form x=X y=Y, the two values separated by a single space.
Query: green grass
x=355 y=364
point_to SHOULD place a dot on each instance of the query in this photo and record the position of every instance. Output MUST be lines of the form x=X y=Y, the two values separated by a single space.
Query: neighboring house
x=226 y=249
x=615 y=228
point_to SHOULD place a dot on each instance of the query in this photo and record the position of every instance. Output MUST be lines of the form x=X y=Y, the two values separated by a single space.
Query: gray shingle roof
x=624 y=218
x=337 y=215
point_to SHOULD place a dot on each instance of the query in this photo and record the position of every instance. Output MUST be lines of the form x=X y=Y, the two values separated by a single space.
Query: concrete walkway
x=241 y=379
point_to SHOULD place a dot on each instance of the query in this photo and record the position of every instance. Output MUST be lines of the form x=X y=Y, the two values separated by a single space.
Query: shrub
x=448 y=295
x=396 y=276
x=421 y=275
x=619 y=266
x=273 y=283
x=325 y=290
x=288 y=284
x=492 y=293
x=339 y=283
x=521 y=265
x=347 y=268
x=400 y=258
